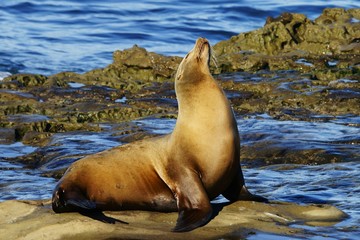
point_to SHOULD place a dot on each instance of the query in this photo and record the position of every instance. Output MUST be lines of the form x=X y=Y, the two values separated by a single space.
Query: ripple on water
x=15 y=150
x=19 y=183
x=337 y=184
x=65 y=148
x=54 y=36
x=4 y=75
x=157 y=126
x=334 y=136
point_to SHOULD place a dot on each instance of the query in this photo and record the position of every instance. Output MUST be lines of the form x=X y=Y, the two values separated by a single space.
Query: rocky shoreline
x=35 y=220
x=302 y=68
x=291 y=69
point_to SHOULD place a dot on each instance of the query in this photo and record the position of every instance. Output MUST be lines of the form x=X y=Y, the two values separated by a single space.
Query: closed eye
x=179 y=76
x=187 y=55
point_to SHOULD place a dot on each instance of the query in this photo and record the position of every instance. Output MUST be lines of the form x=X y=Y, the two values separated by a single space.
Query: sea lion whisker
x=213 y=56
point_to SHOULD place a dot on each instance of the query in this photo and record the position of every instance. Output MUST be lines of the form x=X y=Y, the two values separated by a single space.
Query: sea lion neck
x=195 y=85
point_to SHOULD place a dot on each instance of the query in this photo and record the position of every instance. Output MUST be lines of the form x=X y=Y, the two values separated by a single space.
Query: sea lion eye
x=187 y=55
x=179 y=76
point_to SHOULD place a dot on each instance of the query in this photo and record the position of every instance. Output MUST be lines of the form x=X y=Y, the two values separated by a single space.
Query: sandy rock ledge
x=36 y=220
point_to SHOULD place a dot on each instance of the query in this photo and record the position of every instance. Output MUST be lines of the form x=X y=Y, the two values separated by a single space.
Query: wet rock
x=62 y=79
x=333 y=33
x=36 y=138
x=57 y=174
x=278 y=92
x=15 y=102
x=26 y=80
x=269 y=153
x=137 y=63
x=333 y=74
x=131 y=70
x=7 y=135
x=128 y=138
x=335 y=15
x=35 y=220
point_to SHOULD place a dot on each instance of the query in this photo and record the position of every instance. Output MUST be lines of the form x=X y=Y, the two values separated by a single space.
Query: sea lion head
x=195 y=65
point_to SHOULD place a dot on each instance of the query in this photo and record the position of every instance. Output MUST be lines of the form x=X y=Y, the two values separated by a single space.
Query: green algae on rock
x=137 y=63
x=293 y=35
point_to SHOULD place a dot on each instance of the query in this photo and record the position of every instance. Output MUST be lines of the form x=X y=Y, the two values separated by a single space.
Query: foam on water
x=4 y=75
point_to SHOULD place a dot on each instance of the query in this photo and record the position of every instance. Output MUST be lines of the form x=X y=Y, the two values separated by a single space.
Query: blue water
x=50 y=36
x=337 y=184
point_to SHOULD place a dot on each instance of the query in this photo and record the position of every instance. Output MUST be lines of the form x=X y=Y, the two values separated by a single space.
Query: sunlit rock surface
x=35 y=220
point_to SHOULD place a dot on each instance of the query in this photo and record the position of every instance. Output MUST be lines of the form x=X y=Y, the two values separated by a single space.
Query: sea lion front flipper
x=193 y=203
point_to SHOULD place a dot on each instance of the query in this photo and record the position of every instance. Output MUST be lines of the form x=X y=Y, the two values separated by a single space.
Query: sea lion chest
x=206 y=135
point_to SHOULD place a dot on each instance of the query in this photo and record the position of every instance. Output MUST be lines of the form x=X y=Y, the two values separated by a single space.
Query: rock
x=7 y=135
x=36 y=138
x=132 y=69
x=334 y=15
x=36 y=220
x=137 y=63
x=333 y=33
x=26 y=80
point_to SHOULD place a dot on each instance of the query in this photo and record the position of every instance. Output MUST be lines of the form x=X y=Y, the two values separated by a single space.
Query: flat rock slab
x=36 y=220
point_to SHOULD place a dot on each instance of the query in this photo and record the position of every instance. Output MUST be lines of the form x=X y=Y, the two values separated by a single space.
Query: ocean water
x=51 y=36
x=337 y=184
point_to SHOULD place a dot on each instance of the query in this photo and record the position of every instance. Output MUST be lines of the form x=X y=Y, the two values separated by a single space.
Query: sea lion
x=181 y=171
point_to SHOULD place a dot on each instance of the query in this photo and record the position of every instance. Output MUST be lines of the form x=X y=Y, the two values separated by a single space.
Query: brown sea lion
x=181 y=171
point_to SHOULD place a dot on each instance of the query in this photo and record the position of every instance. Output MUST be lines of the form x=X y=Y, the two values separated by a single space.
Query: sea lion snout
x=201 y=44
x=203 y=50
x=201 y=41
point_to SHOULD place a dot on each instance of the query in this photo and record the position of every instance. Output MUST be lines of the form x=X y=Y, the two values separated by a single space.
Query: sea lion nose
x=201 y=40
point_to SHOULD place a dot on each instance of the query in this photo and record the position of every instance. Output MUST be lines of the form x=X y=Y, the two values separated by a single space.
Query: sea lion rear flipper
x=238 y=191
x=81 y=203
x=245 y=195
x=70 y=201
x=193 y=203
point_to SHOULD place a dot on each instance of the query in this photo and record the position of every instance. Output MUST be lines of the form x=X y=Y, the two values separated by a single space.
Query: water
x=17 y=182
x=337 y=184
x=50 y=36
